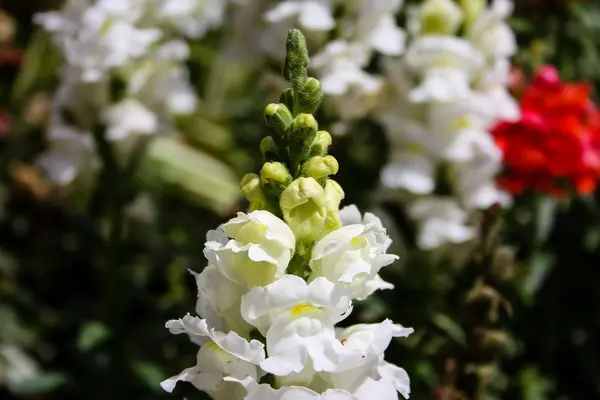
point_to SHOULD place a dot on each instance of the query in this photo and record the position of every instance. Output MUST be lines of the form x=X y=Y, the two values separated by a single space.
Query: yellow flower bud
x=321 y=144
x=334 y=195
x=441 y=17
x=268 y=148
x=320 y=167
x=251 y=189
x=278 y=117
x=304 y=208
x=303 y=127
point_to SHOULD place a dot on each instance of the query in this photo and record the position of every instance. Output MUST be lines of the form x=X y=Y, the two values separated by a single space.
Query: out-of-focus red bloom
x=556 y=139
x=6 y=123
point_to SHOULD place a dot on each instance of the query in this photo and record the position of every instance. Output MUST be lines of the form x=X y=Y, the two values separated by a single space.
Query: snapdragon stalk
x=294 y=181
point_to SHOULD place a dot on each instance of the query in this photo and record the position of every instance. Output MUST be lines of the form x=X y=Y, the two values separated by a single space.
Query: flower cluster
x=124 y=62
x=556 y=141
x=362 y=28
x=280 y=277
x=450 y=90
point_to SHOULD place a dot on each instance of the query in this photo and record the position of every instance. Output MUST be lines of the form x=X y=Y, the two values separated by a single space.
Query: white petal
x=231 y=342
x=316 y=17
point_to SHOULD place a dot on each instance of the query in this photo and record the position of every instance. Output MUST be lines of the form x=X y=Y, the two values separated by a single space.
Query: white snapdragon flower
x=258 y=252
x=220 y=355
x=298 y=320
x=354 y=254
x=447 y=65
x=410 y=170
x=300 y=347
x=341 y=66
x=451 y=89
x=441 y=221
x=219 y=300
x=314 y=15
x=371 y=340
x=192 y=18
x=129 y=117
x=71 y=154
x=256 y=391
x=139 y=42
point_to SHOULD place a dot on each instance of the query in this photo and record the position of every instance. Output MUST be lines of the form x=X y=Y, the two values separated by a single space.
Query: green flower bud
x=334 y=195
x=440 y=17
x=269 y=149
x=275 y=177
x=472 y=9
x=321 y=144
x=287 y=98
x=278 y=117
x=296 y=61
x=250 y=186
x=310 y=96
x=320 y=167
x=304 y=127
x=304 y=208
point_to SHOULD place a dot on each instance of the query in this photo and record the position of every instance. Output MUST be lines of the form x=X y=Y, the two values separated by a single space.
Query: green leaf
x=42 y=383
x=42 y=62
x=545 y=213
x=450 y=327
x=91 y=335
x=150 y=373
x=201 y=177
x=540 y=265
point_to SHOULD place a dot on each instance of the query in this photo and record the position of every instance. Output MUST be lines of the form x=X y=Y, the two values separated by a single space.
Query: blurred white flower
x=128 y=117
x=441 y=221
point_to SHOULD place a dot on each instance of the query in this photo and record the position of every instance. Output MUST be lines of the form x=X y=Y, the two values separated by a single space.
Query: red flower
x=557 y=138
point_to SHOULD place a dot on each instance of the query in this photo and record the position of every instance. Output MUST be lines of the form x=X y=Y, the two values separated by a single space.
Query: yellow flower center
x=303 y=309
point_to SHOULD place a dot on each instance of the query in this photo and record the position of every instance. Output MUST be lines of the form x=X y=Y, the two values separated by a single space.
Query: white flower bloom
x=491 y=34
x=18 y=367
x=129 y=117
x=71 y=154
x=353 y=255
x=297 y=320
x=219 y=300
x=412 y=171
x=442 y=221
x=256 y=391
x=193 y=18
x=313 y=15
x=447 y=65
x=259 y=251
x=340 y=64
x=220 y=355
x=376 y=27
x=371 y=340
x=436 y=16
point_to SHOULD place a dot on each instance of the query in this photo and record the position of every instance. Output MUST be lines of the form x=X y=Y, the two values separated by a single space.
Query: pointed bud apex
x=287 y=98
x=304 y=208
x=320 y=167
x=334 y=195
x=278 y=117
x=304 y=126
x=321 y=144
x=251 y=189
x=276 y=176
x=269 y=149
x=296 y=61
x=310 y=96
